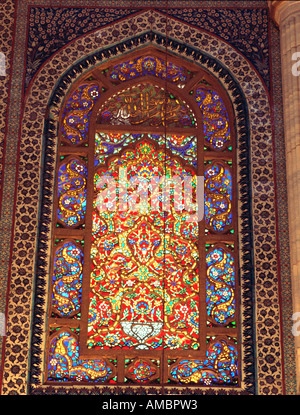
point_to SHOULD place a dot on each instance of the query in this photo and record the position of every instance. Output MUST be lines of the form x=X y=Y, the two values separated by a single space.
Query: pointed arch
x=247 y=93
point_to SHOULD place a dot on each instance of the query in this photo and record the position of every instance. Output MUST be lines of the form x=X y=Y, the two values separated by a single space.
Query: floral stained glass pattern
x=139 y=274
x=142 y=370
x=65 y=364
x=72 y=175
x=75 y=120
x=107 y=144
x=146 y=105
x=220 y=284
x=218 y=196
x=219 y=368
x=67 y=279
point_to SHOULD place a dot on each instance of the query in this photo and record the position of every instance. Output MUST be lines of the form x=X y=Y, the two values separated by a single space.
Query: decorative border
x=268 y=336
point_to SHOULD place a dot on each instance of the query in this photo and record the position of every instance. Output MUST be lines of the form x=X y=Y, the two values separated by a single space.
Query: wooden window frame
x=87 y=152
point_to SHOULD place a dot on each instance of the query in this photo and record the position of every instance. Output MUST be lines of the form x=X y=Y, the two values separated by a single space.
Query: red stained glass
x=142 y=371
x=138 y=274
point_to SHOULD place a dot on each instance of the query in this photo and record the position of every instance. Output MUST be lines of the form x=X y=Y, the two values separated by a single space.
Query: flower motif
x=79 y=168
x=94 y=93
x=111 y=339
x=226 y=293
x=53 y=362
x=233 y=367
x=215 y=256
x=108 y=245
x=184 y=309
x=218 y=225
x=181 y=250
x=109 y=205
x=75 y=252
x=173 y=342
x=103 y=306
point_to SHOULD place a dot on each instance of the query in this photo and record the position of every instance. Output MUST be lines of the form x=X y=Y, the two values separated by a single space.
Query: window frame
x=199 y=74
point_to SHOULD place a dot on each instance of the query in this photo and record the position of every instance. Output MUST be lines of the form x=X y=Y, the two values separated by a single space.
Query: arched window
x=143 y=289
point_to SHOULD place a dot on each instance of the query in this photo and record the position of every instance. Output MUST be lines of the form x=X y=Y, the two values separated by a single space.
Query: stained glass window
x=143 y=290
x=149 y=65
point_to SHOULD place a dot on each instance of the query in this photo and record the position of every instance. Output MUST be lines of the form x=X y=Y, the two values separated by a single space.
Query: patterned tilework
x=6 y=42
x=246 y=29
